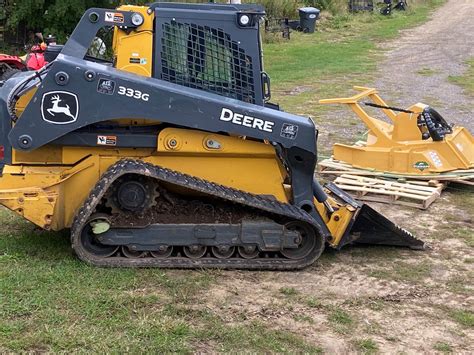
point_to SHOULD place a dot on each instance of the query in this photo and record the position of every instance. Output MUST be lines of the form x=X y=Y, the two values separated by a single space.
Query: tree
x=57 y=17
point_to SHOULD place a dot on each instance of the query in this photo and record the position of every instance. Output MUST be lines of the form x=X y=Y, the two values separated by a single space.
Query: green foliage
x=339 y=316
x=281 y=8
x=58 y=17
x=443 y=347
x=334 y=6
x=288 y=291
x=3 y=13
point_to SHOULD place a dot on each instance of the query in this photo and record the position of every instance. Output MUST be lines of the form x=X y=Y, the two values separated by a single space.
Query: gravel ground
x=439 y=49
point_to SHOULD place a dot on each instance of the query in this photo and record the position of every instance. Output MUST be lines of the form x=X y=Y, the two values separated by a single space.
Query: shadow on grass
x=35 y=244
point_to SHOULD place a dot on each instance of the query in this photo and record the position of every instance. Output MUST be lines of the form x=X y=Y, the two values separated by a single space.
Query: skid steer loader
x=170 y=154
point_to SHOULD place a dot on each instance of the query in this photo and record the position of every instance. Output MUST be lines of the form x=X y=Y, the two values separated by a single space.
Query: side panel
x=35 y=191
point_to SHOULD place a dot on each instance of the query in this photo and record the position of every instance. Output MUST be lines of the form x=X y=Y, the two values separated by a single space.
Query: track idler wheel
x=307 y=241
x=91 y=245
x=132 y=193
x=248 y=251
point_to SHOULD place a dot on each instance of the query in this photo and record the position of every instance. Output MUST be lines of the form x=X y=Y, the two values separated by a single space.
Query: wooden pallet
x=336 y=168
x=419 y=194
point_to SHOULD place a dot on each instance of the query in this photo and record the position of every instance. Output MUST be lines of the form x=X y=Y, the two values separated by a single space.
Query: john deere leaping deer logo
x=59 y=107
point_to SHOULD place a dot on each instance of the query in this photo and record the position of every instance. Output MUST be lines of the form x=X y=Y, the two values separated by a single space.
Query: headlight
x=137 y=19
x=244 y=20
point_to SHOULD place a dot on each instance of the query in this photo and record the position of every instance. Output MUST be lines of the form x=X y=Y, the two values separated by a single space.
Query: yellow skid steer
x=157 y=145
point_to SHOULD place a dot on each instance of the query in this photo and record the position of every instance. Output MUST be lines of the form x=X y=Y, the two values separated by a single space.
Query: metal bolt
x=213 y=144
x=173 y=143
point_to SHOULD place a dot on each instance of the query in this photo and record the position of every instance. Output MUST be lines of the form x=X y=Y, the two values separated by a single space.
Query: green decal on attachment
x=421 y=165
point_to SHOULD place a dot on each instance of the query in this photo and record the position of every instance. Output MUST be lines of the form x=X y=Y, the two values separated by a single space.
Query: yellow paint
x=398 y=146
x=23 y=101
x=338 y=221
x=44 y=155
x=72 y=181
x=136 y=45
x=34 y=204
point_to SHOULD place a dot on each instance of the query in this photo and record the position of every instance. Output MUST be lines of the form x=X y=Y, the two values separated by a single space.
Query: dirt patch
x=400 y=313
x=298 y=90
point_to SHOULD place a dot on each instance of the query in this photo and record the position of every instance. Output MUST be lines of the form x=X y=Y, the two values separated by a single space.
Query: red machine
x=34 y=60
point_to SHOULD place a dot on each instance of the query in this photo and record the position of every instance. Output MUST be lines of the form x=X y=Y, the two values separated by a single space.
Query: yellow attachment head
x=405 y=145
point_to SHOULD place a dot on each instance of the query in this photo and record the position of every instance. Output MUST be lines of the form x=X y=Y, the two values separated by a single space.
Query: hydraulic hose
x=321 y=196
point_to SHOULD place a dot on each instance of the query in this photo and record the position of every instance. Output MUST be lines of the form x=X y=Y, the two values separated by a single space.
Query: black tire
x=7 y=74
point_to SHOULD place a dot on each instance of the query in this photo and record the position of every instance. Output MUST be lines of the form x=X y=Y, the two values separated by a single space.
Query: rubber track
x=265 y=205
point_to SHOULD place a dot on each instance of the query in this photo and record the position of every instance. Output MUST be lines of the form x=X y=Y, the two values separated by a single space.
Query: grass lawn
x=49 y=301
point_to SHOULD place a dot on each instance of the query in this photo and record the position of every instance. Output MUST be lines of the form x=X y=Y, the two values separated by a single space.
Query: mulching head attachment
x=413 y=141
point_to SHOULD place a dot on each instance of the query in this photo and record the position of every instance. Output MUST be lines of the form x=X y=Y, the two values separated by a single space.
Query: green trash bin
x=308 y=17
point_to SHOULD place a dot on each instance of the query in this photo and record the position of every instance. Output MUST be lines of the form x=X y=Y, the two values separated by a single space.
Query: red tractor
x=33 y=60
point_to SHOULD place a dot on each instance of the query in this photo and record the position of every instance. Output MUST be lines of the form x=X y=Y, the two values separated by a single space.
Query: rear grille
x=206 y=58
